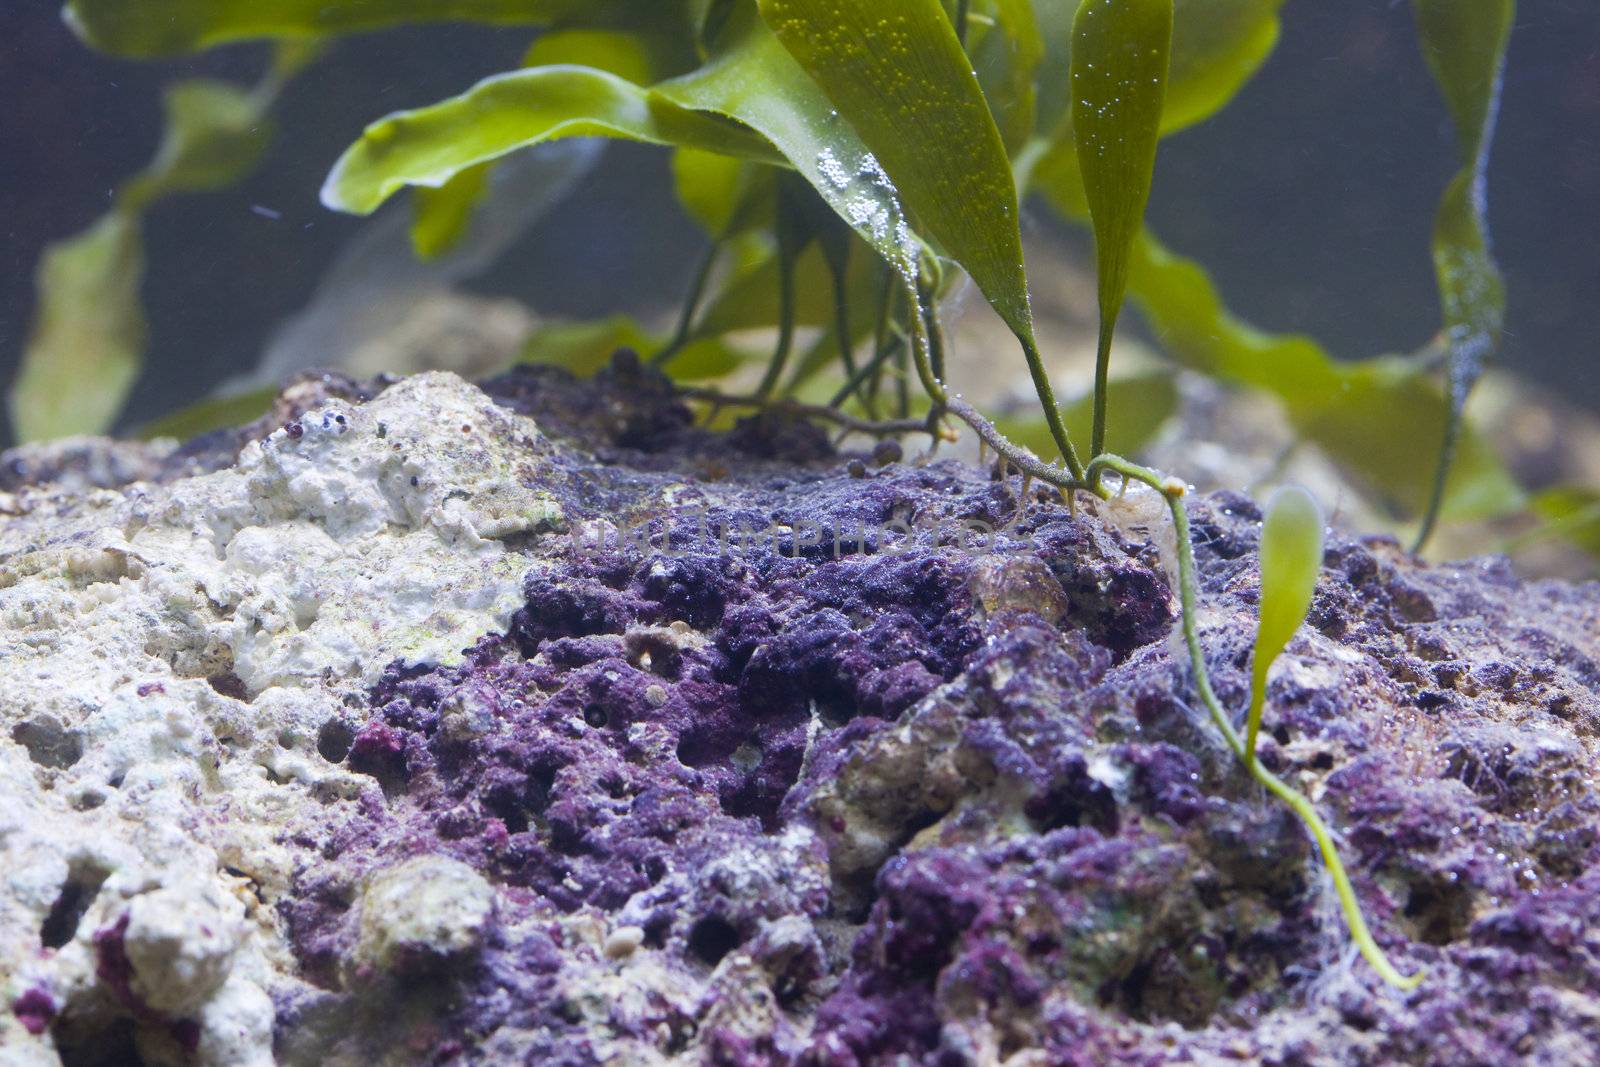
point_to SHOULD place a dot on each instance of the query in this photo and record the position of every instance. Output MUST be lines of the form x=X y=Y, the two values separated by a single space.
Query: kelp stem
x=780 y=356
x=926 y=334
x=936 y=339
x=691 y=305
x=869 y=371
x=841 y=321
x=1052 y=411
x=1441 y=478
x=1102 y=379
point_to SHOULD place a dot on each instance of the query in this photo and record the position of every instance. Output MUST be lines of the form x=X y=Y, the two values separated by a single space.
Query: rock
x=181 y=947
x=530 y=723
x=423 y=912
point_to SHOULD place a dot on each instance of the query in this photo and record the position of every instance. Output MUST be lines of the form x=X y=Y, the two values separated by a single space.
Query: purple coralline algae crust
x=923 y=804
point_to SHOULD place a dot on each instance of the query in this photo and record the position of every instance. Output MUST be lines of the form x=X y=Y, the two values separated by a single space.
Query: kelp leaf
x=752 y=77
x=706 y=359
x=623 y=54
x=1007 y=60
x=1182 y=305
x=709 y=187
x=753 y=80
x=1370 y=427
x=215 y=134
x=1217 y=46
x=1348 y=410
x=728 y=197
x=499 y=115
x=151 y=28
x=1465 y=46
x=897 y=74
x=443 y=215
x=750 y=300
x=1120 y=53
x=88 y=334
x=584 y=348
x=1291 y=559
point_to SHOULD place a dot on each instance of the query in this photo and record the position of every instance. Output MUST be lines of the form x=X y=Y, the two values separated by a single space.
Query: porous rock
x=531 y=724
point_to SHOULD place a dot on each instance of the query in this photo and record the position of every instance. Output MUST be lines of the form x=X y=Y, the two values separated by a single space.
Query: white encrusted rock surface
x=171 y=654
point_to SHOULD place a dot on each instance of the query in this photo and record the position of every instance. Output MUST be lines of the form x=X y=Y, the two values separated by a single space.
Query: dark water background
x=1311 y=197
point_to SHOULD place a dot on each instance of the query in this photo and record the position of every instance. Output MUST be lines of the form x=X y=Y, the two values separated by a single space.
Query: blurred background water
x=1311 y=197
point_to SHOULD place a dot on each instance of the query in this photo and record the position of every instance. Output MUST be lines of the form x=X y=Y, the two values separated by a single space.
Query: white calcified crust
x=132 y=622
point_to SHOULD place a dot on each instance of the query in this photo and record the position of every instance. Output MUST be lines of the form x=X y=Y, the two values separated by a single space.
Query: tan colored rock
x=428 y=909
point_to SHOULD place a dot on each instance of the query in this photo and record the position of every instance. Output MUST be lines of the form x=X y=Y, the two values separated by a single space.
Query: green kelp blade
x=1120 y=56
x=1350 y=411
x=1464 y=44
x=431 y=145
x=1571 y=512
x=151 y=28
x=88 y=334
x=711 y=187
x=442 y=216
x=626 y=55
x=214 y=136
x=1376 y=426
x=1217 y=46
x=1006 y=60
x=751 y=77
x=1291 y=559
x=896 y=72
x=749 y=301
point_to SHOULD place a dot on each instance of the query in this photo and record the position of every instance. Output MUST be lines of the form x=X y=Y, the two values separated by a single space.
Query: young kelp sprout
x=1293 y=545
x=1291 y=557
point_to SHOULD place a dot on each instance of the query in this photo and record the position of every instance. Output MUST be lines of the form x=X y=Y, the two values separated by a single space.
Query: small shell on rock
x=623 y=942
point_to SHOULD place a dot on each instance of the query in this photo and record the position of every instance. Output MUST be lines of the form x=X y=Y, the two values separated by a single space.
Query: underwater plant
x=830 y=149
x=1291 y=557
x=849 y=163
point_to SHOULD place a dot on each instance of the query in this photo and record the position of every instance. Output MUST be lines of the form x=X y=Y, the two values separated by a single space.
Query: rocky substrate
x=421 y=723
